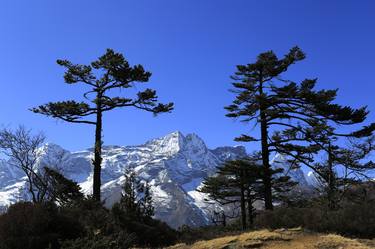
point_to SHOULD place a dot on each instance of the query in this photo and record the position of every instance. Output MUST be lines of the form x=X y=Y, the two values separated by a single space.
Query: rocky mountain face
x=174 y=165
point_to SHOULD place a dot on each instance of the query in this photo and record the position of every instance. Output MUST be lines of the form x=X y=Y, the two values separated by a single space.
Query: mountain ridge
x=174 y=165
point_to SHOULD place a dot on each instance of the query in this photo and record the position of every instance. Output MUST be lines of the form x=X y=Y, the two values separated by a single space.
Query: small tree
x=147 y=202
x=22 y=149
x=129 y=199
x=112 y=72
x=136 y=200
x=240 y=182
x=60 y=189
x=342 y=167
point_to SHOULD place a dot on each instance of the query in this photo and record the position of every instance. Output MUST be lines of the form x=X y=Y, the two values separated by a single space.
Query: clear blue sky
x=190 y=46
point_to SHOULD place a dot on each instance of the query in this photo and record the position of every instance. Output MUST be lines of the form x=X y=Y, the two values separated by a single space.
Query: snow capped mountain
x=296 y=174
x=312 y=179
x=174 y=165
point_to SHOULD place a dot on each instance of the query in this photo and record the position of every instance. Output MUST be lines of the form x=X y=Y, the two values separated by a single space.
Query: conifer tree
x=290 y=115
x=343 y=166
x=136 y=200
x=147 y=202
x=230 y=184
x=240 y=182
x=60 y=189
x=110 y=72
x=129 y=200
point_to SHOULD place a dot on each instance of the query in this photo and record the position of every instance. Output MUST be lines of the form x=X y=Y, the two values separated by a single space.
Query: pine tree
x=129 y=199
x=60 y=189
x=343 y=166
x=147 y=202
x=294 y=113
x=110 y=72
x=239 y=182
x=136 y=200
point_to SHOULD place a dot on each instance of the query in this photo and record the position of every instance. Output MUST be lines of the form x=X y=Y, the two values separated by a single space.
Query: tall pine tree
x=110 y=72
x=290 y=115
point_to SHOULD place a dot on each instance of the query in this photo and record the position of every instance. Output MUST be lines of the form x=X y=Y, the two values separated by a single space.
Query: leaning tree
x=110 y=72
x=291 y=116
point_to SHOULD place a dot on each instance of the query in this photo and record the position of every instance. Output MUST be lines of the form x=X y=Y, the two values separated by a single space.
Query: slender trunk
x=331 y=195
x=265 y=153
x=224 y=217
x=31 y=189
x=250 y=208
x=243 y=205
x=97 y=150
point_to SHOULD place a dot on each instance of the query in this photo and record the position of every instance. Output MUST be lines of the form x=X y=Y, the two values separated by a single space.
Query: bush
x=118 y=241
x=28 y=226
x=149 y=232
x=190 y=235
x=351 y=220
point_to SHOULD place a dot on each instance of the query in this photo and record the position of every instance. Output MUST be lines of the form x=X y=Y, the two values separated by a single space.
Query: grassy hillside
x=280 y=239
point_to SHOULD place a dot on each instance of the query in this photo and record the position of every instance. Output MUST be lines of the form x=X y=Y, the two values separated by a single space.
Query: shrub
x=121 y=240
x=28 y=226
x=351 y=220
x=148 y=231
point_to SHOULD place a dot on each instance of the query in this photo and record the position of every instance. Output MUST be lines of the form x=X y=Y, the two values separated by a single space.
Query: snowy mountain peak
x=194 y=144
x=174 y=165
x=176 y=142
x=169 y=144
x=49 y=148
x=292 y=170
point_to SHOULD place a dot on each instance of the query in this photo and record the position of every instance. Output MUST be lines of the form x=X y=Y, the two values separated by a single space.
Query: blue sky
x=190 y=46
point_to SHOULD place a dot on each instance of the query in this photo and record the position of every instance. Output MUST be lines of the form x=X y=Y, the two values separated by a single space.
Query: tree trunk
x=331 y=195
x=250 y=208
x=243 y=205
x=265 y=154
x=31 y=189
x=224 y=221
x=97 y=151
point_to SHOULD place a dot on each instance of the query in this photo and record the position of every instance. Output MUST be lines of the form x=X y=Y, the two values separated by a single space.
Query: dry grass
x=278 y=239
x=332 y=241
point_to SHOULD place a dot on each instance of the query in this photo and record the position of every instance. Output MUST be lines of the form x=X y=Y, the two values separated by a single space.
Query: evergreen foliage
x=134 y=212
x=110 y=72
x=36 y=226
x=342 y=168
x=291 y=116
x=136 y=200
x=240 y=182
x=61 y=190
x=355 y=217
